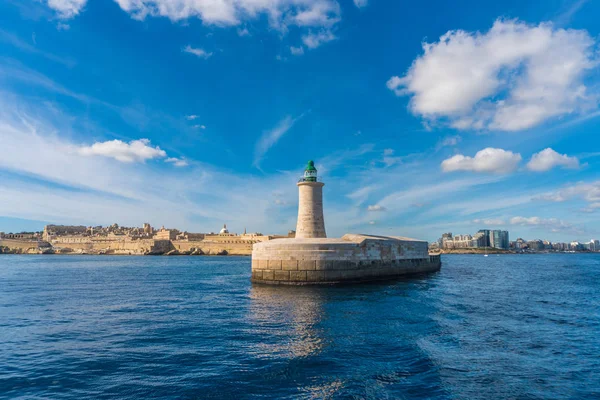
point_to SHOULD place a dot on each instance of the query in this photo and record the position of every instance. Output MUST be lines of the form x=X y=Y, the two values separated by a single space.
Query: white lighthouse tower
x=311 y=223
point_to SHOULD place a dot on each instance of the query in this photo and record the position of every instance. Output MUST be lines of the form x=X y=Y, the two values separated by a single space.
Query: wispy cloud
x=490 y=221
x=297 y=51
x=67 y=8
x=14 y=70
x=198 y=52
x=567 y=14
x=59 y=184
x=554 y=224
x=449 y=141
x=270 y=138
x=22 y=45
x=281 y=14
x=243 y=32
x=588 y=191
x=316 y=39
x=178 y=162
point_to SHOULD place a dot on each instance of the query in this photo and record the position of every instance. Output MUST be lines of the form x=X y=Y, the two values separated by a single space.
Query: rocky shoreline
x=64 y=251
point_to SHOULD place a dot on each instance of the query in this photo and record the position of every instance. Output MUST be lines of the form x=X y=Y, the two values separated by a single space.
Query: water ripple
x=508 y=327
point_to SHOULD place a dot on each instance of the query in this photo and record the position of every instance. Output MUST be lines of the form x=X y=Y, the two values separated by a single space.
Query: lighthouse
x=311 y=258
x=311 y=223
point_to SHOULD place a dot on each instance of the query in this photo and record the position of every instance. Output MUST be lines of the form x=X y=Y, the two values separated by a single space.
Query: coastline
x=71 y=253
x=498 y=252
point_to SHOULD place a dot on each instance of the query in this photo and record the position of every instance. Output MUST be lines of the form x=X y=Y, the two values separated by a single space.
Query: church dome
x=224 y=230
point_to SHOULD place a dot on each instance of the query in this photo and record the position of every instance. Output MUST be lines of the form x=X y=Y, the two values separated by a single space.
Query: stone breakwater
x=352 y=258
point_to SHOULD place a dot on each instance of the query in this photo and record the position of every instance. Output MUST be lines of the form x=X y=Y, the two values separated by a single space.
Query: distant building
x=486 y=236
x=576 y=246
x=166 y=234
x=536 y=245
x=147 y=228
x=482 y=238
x=499 y=239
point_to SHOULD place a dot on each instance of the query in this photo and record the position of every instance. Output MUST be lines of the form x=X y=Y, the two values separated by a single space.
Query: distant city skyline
x=498 y=239
x=197 y=113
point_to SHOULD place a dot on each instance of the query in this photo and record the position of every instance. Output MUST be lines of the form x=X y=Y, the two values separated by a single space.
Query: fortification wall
x=139 y=247
x=22 y=246
x=352 y=258
x=134 y=247
x=230 y=246
x=242 y=248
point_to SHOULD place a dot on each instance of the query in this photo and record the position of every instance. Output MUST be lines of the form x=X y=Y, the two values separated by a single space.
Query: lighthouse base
x=352 y=258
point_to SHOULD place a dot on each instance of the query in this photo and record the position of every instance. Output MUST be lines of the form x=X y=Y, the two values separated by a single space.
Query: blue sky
x=421 y=118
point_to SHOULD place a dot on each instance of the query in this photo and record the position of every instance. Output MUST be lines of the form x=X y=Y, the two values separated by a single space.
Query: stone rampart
x=349 y=259
x=226 y=245
x=231 y=247
x=22 y=246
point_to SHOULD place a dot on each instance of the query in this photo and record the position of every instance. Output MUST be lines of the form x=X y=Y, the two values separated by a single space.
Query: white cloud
x=547 y=159
x=98 y=190
x=489 y=221
x=281 y=13
x=178 y=162
x=555 y=225
x=297 y=51
x=199 y=127
x=389 y=159
x=376 y=208
x=492 y=160
x=513 y=77
x=201 y=53
x=243 y=32
x=592 y=208
x=270 y=138
x=67 y=8
x=589 y=192
x=134 y=151
x=449 y=141
x=191 y=117
x=361 y=3
x=314 y=40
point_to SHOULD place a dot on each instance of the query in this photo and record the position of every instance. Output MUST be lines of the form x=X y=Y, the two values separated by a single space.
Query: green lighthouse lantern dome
x=310 y=173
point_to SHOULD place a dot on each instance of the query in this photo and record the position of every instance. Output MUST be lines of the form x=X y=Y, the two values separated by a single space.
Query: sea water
x=497 y=327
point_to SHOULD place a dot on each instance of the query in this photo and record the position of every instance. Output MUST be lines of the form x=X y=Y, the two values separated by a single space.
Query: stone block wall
x=298 y=262
x=311 y=223
x=306 y=272
x=238 y=248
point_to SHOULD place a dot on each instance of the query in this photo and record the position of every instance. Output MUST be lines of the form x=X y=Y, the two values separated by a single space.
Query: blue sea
x=497 y=327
